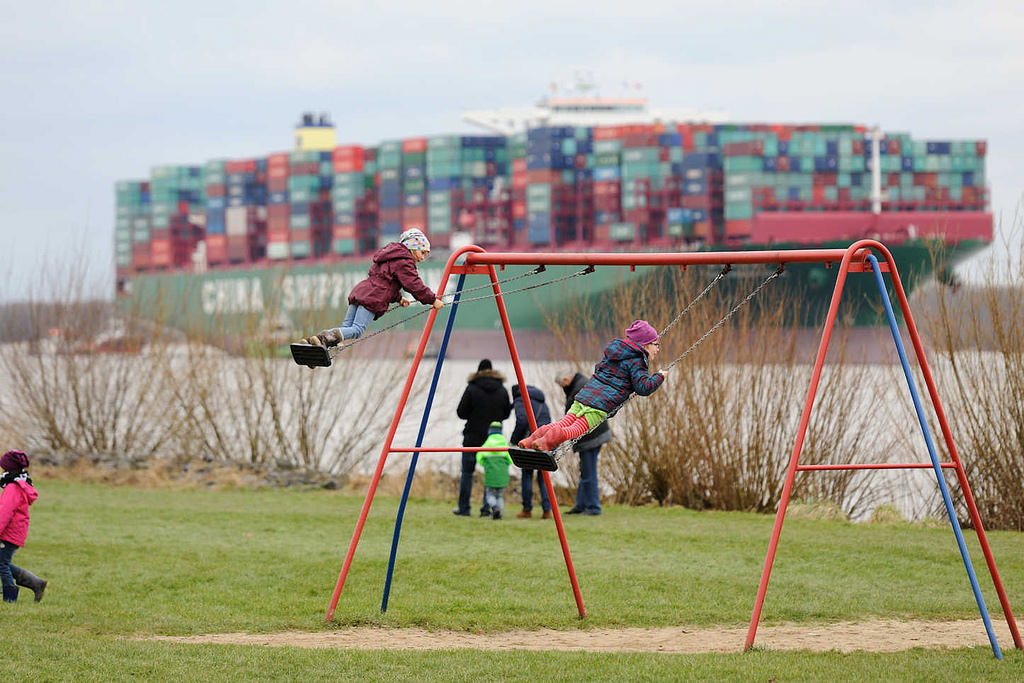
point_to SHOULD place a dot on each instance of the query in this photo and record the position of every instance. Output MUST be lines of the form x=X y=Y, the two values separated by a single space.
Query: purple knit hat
x=641 y=333
x=12 y=461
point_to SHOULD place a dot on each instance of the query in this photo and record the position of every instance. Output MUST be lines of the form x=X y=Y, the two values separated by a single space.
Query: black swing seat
x=530 y=459
x=311 y=355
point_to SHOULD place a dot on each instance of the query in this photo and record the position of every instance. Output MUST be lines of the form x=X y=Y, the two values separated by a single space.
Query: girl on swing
x=393 y=269
x=622 y=371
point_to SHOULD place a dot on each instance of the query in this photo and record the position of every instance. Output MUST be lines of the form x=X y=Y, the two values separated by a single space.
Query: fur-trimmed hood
x=485 y=374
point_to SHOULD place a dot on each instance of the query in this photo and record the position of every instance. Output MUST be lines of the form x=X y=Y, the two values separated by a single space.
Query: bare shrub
x=72 y=390
x=976 y=337
x=719 y=434
x=224 y=392
x=261 y=408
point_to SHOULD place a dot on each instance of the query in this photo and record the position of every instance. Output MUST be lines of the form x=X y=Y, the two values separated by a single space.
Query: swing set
x=859 y=258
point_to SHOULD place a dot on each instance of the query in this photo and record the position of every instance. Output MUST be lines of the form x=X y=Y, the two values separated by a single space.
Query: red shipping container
x=738 y=227
x=347 y=152
x=216 y=249
x=744 y=149
x=980 y=148
x=277 y=160
x=160 y=252
x=277 y=212
x=518 y=209
x=607 y=132
x=858 y=147
x=347 y=165
x=277 y=173
x=414 y=145
x=215 y=190
x=240 y=166
x=781 y=163
x=893 y=146
x=418 y=224
x=518 y=166
x=543 y=175
x=278 y=235
x=343 y=232
x=305 y=168
x=418 y=213
x=519 y=180
x=702 y=230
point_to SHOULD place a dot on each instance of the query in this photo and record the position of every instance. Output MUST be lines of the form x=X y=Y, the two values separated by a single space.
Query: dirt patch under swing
x=872 y=636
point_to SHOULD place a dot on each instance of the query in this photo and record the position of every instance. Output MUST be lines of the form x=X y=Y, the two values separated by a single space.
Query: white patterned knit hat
x=415 y=239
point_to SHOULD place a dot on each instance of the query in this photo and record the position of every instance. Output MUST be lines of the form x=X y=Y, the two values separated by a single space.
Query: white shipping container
x=236 y=220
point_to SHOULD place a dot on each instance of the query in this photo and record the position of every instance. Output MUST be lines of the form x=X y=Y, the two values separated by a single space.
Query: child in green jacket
x=495 y=471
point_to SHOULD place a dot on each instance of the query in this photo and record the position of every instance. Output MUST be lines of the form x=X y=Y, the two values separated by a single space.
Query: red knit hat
x=12 y=461
x=641 y=333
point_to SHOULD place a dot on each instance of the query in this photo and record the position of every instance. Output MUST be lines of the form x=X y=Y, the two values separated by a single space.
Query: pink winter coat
x=14 y=502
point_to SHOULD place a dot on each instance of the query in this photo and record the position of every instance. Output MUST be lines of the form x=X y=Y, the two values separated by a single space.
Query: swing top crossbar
x=690 y=258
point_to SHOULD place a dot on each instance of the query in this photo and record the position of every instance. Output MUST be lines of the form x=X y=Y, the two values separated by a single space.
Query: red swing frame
x=853 y=259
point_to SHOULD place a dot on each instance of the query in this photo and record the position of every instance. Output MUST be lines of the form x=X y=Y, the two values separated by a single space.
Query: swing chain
x=568 y=445
x=539 y=269
x=725 y=318
x=711 y=285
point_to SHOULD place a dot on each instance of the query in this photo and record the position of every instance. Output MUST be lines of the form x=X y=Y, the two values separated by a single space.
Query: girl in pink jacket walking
x=16 y=495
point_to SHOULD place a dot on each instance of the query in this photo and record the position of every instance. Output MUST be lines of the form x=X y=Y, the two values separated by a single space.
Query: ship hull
x=282 y=302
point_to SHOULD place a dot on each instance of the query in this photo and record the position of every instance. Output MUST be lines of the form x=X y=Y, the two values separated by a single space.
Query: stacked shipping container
x=663 y=186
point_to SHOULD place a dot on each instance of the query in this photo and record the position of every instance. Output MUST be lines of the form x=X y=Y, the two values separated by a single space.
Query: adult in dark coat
x=522 y=429
x=484 y=401
x=588 y=497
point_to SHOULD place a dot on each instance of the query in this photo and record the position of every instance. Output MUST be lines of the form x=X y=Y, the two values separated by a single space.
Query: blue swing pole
x=419 y=442
x=946 y=498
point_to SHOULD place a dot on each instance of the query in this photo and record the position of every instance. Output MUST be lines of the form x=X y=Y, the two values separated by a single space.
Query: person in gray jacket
x=588 y=498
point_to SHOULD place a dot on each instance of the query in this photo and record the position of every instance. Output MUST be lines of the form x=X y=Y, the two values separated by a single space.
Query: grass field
x=128 y=563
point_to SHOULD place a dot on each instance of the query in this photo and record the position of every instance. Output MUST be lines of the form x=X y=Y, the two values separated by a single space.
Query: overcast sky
x=96 y=91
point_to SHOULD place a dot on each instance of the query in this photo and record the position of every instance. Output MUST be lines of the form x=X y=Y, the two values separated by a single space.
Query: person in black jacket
x=522 y=429
x=588 y=497
x=484 y=401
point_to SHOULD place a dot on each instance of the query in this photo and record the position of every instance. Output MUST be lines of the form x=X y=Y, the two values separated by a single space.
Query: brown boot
x=546 y=515
x=329 y=338
x=524 y=514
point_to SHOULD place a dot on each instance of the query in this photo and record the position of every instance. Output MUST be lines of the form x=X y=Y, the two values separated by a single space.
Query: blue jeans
x=527 y=484
x=357 y=319
x=7 y=570
x=588 y=499
x=466 y=481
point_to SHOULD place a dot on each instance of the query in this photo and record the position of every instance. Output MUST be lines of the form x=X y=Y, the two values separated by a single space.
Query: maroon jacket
x=393 y=269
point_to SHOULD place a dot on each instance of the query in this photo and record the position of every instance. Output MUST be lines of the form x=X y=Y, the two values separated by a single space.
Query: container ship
x=277 y=236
